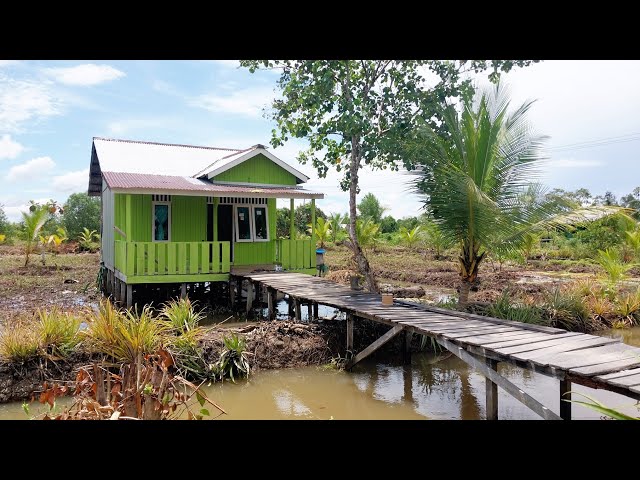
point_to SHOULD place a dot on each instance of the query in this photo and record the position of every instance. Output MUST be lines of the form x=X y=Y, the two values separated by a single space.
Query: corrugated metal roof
x=115 y=155
x=166 y=159
x=135 y=182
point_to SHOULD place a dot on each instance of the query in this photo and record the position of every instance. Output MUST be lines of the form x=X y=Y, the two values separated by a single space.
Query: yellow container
x=387 y=299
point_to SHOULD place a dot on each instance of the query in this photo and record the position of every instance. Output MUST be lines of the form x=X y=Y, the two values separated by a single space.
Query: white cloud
x=573 y=163
x=24 y=100
x=8 y=63
x=9 y=148
x=72 y=181
x=85 y=75
x=249 y=101
x=35 y=167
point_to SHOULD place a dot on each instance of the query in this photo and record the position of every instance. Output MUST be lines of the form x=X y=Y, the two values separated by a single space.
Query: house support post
x=249 y=296
x=298 y=309
x=232 y=294
x=183 y=290
x=129 y=295
x=123 y=293
x=271 y=303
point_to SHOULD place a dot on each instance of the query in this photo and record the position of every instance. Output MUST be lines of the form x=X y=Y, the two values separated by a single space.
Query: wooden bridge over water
x=481 y=342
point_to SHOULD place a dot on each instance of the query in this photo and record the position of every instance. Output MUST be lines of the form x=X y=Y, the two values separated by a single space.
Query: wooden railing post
x=565 y=406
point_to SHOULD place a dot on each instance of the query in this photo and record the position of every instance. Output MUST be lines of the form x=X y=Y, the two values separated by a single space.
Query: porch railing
x=295 y=254
x=172 y=258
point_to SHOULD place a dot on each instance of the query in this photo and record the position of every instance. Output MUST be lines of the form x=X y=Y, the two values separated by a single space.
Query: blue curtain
x=162 y=222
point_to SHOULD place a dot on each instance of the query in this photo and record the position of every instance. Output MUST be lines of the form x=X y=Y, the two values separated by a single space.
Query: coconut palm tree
x=476 y=180
x=410 y=237
x=322 y=230
x=337 y=222
x=33 y=223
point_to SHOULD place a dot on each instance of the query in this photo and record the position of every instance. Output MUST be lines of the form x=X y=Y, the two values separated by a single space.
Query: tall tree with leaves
x=356 y=112
x=370 y=207
x=477 y=181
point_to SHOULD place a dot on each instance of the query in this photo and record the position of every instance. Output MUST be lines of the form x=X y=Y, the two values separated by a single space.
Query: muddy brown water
x=432 y=387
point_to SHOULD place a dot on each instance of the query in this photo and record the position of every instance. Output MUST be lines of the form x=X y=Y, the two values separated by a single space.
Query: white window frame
x=153 y=222
x=235 y=223
x=253 y=222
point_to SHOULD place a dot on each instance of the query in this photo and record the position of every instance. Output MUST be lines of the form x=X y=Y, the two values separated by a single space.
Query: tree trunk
x=358 y=255
x=463 y=298
x=469 y=261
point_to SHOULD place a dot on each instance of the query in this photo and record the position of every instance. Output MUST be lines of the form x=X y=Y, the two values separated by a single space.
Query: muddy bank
x=273 y=345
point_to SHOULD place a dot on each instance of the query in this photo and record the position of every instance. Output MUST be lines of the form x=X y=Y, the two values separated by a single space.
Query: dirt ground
x=67 y=280
x=400 y=266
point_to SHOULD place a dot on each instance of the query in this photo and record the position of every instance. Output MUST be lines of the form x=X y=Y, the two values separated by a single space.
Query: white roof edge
x=296 y=173
x=203 y=193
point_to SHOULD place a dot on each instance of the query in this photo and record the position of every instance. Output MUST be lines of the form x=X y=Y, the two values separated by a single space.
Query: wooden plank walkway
x=594 y=361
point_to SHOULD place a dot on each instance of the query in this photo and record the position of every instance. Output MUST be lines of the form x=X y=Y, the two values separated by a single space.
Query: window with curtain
x=161 y=218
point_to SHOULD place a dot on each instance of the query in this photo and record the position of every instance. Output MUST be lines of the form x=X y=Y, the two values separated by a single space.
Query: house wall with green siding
x=256 y=253
x=258 y=169
x=188 y=218
x=189 y=224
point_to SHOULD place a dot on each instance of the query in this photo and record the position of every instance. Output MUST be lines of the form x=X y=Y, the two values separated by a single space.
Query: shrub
x=233 y=361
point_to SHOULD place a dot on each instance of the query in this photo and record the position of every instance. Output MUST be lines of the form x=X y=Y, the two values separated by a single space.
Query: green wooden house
x=190 y=214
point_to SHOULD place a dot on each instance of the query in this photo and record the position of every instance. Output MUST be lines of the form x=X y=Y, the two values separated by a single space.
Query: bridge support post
x=290 y=306
x=565 y=406
x=349 y=336
x=492 y=392
x=315 y=311
x=406 y=351
x=310 y=312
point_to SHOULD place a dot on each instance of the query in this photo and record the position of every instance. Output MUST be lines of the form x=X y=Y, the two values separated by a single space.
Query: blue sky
x=50 y=110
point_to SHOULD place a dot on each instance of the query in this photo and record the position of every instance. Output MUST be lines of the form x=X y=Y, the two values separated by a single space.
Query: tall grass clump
x=58 y=332
x=125 y=337
x=183 y=321
x=565 y=308
x=505 y=308
x=19 y=342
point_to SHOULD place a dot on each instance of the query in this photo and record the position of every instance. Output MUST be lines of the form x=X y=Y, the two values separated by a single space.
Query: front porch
x=180 y=262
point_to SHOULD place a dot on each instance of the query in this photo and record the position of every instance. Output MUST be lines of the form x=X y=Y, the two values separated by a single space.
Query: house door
x=225 y=225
